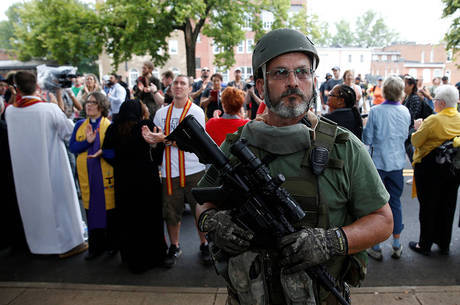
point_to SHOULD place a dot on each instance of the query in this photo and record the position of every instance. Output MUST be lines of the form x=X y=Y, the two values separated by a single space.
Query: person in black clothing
x=322 y=95
x=210 y=99
x=416 y=107
x=124 y=85
x=252 y=100
x=167 y=78
x=342 y=100
x=147 y=89
x=11 y=228
x=137 y=188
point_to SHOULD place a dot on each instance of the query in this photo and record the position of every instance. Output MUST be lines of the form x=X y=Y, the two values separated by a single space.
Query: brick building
x=418 y=60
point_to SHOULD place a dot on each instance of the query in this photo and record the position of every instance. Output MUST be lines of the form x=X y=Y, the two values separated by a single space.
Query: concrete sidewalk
x=19 y=293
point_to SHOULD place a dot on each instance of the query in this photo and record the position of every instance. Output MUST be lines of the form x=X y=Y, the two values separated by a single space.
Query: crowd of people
x=117 y=159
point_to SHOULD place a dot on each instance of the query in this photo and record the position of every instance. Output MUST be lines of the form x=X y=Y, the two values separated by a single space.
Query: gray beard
x=288 y=112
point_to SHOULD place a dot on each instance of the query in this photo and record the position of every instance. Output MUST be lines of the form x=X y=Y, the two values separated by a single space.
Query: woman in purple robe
x=95 y=176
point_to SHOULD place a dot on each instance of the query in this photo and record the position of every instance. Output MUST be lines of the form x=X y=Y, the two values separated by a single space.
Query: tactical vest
x=305 y=188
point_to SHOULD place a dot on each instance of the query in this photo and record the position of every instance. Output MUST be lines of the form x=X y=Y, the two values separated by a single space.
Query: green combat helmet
x=278 y=42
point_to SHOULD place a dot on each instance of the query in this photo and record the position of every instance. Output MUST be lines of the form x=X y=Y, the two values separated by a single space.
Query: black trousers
x=437 y=190
x=102 y=239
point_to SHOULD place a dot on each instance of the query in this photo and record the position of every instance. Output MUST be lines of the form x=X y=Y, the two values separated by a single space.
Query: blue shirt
x=197 y=86
x=386 y=131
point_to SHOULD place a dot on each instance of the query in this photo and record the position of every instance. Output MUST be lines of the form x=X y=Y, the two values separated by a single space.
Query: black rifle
x=257 y=200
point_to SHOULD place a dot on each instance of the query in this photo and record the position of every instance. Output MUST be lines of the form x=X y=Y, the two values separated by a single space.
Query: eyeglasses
x=336 y=96
x=205 y=70
x=91 y=102
x=283 y=73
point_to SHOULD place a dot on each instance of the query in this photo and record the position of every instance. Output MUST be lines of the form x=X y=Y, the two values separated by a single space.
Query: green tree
x=371 y=31
x=452 y=37
x=65 y=31
x=344 y=36
x=131 y=30
x=310 y=25
x=7 y=27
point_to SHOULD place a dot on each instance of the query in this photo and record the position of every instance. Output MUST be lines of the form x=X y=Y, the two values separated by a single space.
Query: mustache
x=292 y=91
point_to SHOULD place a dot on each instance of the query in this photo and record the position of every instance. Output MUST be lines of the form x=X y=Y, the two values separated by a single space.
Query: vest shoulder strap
x=233 y=137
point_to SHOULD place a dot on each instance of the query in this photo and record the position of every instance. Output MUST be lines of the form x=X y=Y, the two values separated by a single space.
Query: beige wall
x=176 y=61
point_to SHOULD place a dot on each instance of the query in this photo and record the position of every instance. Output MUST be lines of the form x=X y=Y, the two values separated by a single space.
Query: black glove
x=311 y=246
x=225 y=234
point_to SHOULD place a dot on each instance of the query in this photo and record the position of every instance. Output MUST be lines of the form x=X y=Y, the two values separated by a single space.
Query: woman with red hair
x=232 y=100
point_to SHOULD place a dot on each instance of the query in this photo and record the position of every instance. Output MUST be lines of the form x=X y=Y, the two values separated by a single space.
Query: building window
x=394 y=58
x=176 y=71
x=249 y=43
x=447 y=74
x=397 y=71
x=384 y=58
x=197 y=62
x=422 y=57
x=247 y=22
x=375 y=57
x=215 y=48
x=267 y=20
x=246 y=72
x=198 y=38
x=449 y=55
x=432 y=55
x=437 y=73
x=350 y=58
x=224 y=74
x=133 y=75
x=361 y=58
x=426 y=75
x=156 y=73
x=172 y=46
x=240 y=47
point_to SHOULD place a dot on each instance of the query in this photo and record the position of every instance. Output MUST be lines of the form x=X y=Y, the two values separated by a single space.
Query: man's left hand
x=310 y=247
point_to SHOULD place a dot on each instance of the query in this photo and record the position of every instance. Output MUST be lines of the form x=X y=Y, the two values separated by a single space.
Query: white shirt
x=192 y=164
x=44 y=184
x=117 y=95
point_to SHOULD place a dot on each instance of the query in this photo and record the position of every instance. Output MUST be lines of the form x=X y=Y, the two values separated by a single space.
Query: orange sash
x=27 y=101
x=168 y=149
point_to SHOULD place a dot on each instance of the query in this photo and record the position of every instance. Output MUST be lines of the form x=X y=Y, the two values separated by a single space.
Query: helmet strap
x=266 y=94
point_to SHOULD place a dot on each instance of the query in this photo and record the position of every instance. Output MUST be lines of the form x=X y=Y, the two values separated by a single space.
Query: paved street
x=411 y=270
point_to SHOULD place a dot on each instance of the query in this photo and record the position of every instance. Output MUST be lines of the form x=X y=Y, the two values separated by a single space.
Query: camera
x=53 y=78
x=249 y=85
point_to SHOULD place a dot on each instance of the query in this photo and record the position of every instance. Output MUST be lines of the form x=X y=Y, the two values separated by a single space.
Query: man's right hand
x=226 y=235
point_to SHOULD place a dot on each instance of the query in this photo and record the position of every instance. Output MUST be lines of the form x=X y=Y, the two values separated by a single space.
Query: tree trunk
x=190 y=45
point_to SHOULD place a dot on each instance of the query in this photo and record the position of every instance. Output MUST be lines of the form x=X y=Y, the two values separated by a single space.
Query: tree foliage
x=369 y=30
x=7 y=27
x=344 y=36
x=452 y=37
x=310 y=25
x=65 y=31
x=130 y=30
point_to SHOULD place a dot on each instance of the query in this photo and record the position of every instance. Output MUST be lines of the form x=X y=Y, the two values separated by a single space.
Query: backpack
x=447 y=154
